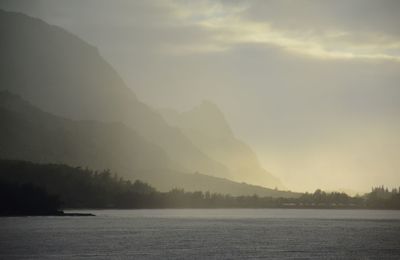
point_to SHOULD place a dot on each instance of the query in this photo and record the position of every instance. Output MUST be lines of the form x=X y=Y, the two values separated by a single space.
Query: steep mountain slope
x=27 y=133
x=207 y=128
x=30 y=134
x=62 y=74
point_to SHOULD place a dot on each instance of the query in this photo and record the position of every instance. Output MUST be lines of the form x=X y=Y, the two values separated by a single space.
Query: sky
x=312 y=86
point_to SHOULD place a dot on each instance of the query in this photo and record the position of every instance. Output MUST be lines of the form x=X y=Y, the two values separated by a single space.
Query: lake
x=205 y=234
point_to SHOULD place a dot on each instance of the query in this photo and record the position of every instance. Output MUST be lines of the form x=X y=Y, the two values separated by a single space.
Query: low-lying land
x=44 y=189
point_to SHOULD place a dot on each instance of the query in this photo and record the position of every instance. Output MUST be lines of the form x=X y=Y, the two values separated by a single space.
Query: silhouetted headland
x=44 y=189
x=30 y=200
x=59 y=213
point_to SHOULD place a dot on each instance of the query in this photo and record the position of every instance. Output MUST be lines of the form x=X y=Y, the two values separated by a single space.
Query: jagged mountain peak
x=206 y=118
x=62 y=74
x=205 y=125
x=65 y=76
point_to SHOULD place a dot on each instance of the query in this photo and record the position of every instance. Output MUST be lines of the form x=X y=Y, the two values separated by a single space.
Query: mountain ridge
x=79 y=84
x=31 y=134
x=206 y=126
x=61 y=74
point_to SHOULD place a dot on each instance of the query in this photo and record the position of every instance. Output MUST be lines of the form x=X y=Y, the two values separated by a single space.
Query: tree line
x=27 y=186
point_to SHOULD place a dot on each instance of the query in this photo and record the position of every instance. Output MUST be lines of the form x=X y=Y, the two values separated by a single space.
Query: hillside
x=206 y=126
x=28 y=133
x=83 y=187
x=61 y=74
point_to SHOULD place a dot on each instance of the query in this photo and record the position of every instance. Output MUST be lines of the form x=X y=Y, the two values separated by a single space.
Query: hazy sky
x=312 y=86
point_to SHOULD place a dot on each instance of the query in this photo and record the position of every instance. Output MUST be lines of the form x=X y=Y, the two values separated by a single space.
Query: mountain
x=206 y=126
x=28 y=133
x=61 y=74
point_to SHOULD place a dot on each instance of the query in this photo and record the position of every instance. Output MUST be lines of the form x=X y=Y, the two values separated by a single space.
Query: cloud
x=290 y=76
x=228 y=26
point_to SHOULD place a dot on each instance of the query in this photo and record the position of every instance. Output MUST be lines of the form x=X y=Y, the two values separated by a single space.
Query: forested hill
x=63 y=75
x=30 y=134
x=84 y=188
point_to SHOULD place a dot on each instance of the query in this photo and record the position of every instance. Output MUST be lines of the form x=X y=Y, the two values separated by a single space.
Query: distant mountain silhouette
x=61 y=74
x=206 y=126
x=28 y=133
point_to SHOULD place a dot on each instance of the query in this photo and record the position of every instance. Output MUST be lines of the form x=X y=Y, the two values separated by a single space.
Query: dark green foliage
x=321 y=198
x=382 y=198
x=84 y=188
x=26 y=199
x=77 y=187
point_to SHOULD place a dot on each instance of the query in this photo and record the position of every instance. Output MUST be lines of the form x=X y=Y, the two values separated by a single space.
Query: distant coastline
x=32 y=189
x=60 y=213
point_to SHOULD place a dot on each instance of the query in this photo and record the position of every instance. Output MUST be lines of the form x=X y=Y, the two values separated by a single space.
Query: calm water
x=205 y=234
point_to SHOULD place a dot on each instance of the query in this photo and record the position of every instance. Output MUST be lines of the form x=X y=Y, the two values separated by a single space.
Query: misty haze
x=199 y=129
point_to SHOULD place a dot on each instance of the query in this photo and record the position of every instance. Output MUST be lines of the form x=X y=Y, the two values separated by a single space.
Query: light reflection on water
x=205 y=233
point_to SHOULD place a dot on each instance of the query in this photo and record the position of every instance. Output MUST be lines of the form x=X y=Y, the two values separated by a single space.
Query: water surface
x=205 y=234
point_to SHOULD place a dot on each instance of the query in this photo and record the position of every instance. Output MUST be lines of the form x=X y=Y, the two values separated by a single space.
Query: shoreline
x=52 y=214
x=155 y=208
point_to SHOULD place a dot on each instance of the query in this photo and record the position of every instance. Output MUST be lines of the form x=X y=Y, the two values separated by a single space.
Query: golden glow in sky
x=312 y=86
x=228 y=28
